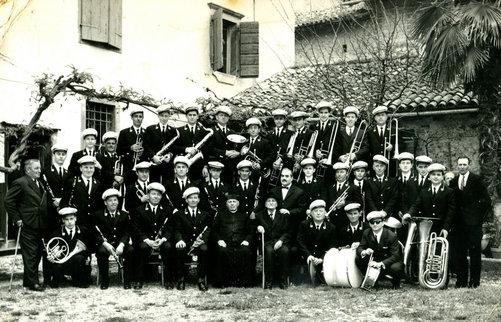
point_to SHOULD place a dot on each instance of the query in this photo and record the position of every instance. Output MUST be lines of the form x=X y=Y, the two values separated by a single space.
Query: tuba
x=433 y=257
x=411 y=233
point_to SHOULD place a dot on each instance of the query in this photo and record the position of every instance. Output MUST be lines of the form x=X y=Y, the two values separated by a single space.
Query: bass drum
x=340 y=268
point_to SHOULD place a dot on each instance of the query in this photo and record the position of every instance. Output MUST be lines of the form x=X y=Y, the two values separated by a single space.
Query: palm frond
x=484 y=23
x=475 y=59
x=428 y=20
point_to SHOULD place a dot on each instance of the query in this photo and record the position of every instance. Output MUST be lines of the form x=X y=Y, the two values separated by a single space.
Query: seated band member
x=212 y=192
x=382 y=246
x=351 y=234
x=436 y=202
x=109 y=176
x=382 y=191
x=130 y=144
x=233 y=233
x=77 y=237
x=275 y=227
x=316 y=236
x=311 y=186
x=111 y=233
x=152 y=231
x=89 y=137
x=191 y=233
x=155 y=137
x=136 y=193
x=82 y=191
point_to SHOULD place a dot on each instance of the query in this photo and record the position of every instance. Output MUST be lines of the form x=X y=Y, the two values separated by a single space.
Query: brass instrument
x=135 y=157
x=322 y=167
x=114 y=254
x=58 y=250
x=411 y=234
x=311 y=145
x=275 y=173
x=357 y=143
x=161 y=153
x=342 y=197
x=252 y=156
x=387 y=141
x=303 y=152
x=119 y=171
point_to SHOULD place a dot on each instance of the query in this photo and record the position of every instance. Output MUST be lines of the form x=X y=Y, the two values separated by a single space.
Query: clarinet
x=197 y=241
x=47 y=186
x=159 y=233
x=72 y=192
x=115 y=256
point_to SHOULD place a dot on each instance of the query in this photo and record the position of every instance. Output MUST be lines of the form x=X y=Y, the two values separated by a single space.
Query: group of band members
x=190 y=193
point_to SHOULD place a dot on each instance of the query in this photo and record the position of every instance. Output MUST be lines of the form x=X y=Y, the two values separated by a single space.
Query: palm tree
x=462 y=44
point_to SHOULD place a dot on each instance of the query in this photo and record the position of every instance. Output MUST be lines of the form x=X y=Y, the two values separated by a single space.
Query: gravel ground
x=301 y=303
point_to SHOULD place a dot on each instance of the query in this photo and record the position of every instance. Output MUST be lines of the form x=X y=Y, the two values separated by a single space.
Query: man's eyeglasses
x=375 y=222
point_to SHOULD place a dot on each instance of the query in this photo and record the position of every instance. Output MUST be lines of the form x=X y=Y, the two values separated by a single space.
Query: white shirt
x=380 y=179
x=435 y=188
x=285 y=191
x=353 y=228
x=182 y=183
x=246 y=183
x=308 y=180
x=349 y=130
x=215 y=183
x=359 y=183
x=89 y=182
x=380 y=128
x=272 y=214
x=378 y=235
x=340 y=185
x=192 y=211
x=136 y=129
x=153 y=208
x=460 y=181
x=405 y=177
x=72 y=231
x=279 y=130
x=421 y=180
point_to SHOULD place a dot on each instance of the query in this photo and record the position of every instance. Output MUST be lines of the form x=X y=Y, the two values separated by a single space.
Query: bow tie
x=285 y=187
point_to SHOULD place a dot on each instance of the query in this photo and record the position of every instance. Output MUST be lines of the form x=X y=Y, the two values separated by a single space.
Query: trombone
x=357 y=143
x=304 y=151
x=387 y=143
x=322 y=167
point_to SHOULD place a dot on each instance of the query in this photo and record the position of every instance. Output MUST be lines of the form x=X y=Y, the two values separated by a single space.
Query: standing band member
x=360 y=186
x=473 y=205
x=89 y=137
x=407 y=186
x=276 y=229
x=191 y=234
x=316 y=236
x=311 y=186
x=111 y=233
x=245 y=188
x=130 y=144
x=324 y=128
x=382 y=246
x=334 y=194
x=136 y=193
x=259 y=147
x=176 y=187
x=26 y=203
x=213 y=192
x=109 y=176
x=382 y=193
x=422 y=163
x=279 y=138
x=348 y=134
x=378 y=137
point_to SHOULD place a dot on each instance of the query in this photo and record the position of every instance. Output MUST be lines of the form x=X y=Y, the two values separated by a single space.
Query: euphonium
x=433 y=268
x=57 y=249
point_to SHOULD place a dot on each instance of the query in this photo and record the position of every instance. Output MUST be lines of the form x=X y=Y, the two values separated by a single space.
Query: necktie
x=163 y=130
x=375 y=237
x=404 y=180
x=192 y=129
x=278 y=132
x=61 y=172
x=318 y=227
x=193 y=213
x=154 y=210
x=339 y=187
x=421 y=181
x=322 y=126
x=245 y=186
x=434 y=191
x=144 y=187
x=71 y=233
x=359 y=184
x=381 y=131
x=463 y=183
x=87 y=184
x=272 y=216
x=216 y=184
x=182 y=185
x=137 y=132
x=349 y=131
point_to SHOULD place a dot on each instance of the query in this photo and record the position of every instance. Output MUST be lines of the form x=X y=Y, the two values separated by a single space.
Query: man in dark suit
x=54 y=176
x=152 y=230
x=136 y=193
x=111 y=233
x=325 y=128
x=89 y=137
x=473 y=204
x=382 y=246
x=382 y=193
x=360 y=186
x=338 y=193
x=274 y=226
x=26 y=204
x=257 y=149
x=408 y=188
x=130 y=144
x=82 y=191
x=156 y=136
x=312 y=187
x=379 y=138
x=298 y=143
x=233 y=234
x=315 y=237
x=78 y=239
x=213 y=192
x=220 y=148
x=350 y=235
x=176 y=187
x=191 y=235
x=422 y=164
x=245 y=188
x=191 y=135
x=279 y=138
x=348 y=134
x=109 y=176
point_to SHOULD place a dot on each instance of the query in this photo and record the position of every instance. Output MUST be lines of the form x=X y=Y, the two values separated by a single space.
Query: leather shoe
x=36 y=288
x=104 y=286
x=268 y=285
x=395 y=286
x=283 y=285
x=127 y=286
x=169 y=285
x=473 y=285
x=138 y=286
x=180 y=285
x=201 y=286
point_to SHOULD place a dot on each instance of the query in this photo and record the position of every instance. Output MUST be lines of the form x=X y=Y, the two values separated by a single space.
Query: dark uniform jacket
x=301 y=143
x=263 y=149
x=295 y=202
x=376 y=142
x=388 y=250
x=154 y=140
x=276 y=229
x=337 y=217
x=313 y=190
x=323 y=136
x=188 y=228
x=210 y=197
x=473 y=204
x=316 y=242
x=408 y=193
x=383 y=196
x=27 y=202
x=344 y=143
x=76 y=195
x=187 y=139
x=280 y=142
x=440 y=206
x=107 y=173
x=74 y=167
x=246 y=197
x=54 y=180
x=147 y=225
x=359 y=194
x=132 y=201
x=80 y=233
x=233 y=228
x=115 y=230
x=173 y=190
x=346 y=236
x=126 y=138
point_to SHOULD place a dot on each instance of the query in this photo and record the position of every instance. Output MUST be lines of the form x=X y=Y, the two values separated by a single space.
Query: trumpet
x=113 y=253
x=252 y=156
x=135 y=157
x=322 y=167
x=161 y=153
x=275 y=173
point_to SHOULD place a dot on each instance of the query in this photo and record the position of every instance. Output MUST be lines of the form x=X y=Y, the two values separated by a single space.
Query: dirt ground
x=298 y=303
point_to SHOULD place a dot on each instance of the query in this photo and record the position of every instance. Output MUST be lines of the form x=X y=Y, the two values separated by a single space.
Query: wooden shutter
x=217 y=39
x=249 y=49
x=94 y=22
x=115 y=24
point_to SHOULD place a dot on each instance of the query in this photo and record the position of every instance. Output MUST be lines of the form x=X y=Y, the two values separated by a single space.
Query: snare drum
x=340 y=268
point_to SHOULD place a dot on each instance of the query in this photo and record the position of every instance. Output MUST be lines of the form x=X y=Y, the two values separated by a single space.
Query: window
x=101 y=22
x=234 y=45
x=101 y=117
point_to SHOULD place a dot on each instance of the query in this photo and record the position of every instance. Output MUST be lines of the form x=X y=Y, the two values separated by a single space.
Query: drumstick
x=14 y=259
x=262 y=250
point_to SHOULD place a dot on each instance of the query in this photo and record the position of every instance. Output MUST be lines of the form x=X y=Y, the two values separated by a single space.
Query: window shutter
x=94 y=20
x=249 y=49
x=115 y=30
x=217 y=39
